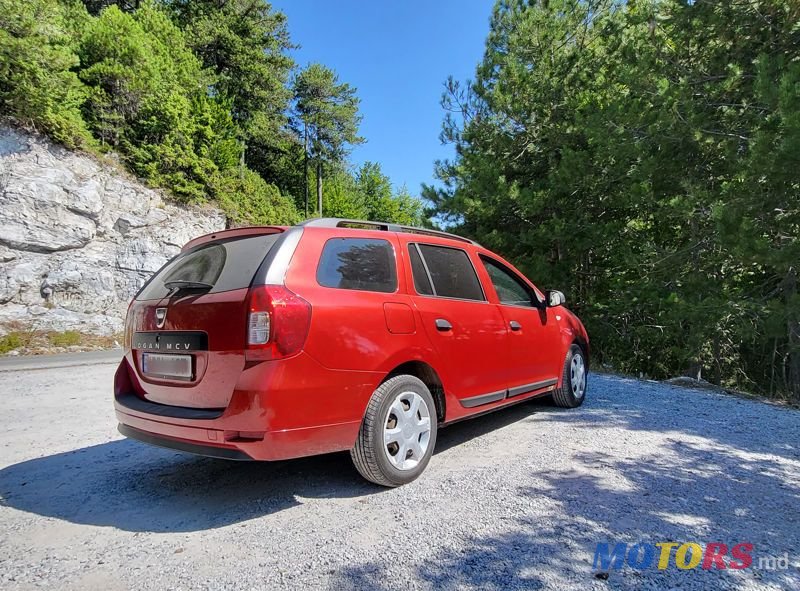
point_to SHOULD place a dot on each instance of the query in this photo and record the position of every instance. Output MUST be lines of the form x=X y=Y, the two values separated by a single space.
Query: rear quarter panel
x=349 y=329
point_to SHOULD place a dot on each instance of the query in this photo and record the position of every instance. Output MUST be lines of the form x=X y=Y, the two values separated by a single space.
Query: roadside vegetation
x=645 y=158
x=27 y=339
x=200 y=97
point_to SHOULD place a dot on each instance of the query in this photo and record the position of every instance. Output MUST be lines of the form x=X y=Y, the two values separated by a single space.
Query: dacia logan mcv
x=271 y=343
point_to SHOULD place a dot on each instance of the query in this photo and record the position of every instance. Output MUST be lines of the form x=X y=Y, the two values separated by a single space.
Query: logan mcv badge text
x=167 y=346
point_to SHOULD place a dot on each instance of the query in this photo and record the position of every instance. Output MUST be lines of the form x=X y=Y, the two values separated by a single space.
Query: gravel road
x=514 y=500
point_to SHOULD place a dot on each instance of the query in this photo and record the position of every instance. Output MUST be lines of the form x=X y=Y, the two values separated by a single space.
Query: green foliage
x=11 y=341
x=328 y=111
x=38 y=85
x=96 y=6
x=195 y=96
x=178 y=100
x=67 y=338
x=342 y=196
x=249 y=200
x=148 y=101
x=380 y=203
x=244 y=44
x=644 y=158
x=368 y=195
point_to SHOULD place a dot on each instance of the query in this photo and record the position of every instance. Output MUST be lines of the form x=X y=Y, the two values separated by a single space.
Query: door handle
x=443 y=325
x=515 y=325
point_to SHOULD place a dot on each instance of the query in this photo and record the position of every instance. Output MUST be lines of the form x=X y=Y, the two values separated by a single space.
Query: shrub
x=67 y=338
x=11 y=341
x=38 y=86
x=247 y=199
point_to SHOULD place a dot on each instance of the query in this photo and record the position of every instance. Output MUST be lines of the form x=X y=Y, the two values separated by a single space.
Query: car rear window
x=451 y=271
x=225 y=265
x=358 y=263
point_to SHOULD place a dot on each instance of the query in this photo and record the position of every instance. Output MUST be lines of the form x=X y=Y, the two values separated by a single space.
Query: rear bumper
x=210 y=451
x=279 y=410
x=209 y=440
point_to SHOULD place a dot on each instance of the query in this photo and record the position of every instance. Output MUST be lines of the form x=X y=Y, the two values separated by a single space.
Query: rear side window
x=358 y=263
x=421 y=281
x=224 y=265
x=451 y=271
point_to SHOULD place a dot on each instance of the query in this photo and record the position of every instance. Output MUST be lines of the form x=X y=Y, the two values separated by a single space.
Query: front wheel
x=398 y=433
x=573 y=381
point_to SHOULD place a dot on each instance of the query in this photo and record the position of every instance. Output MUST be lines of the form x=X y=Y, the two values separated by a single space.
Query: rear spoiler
x=233 y=233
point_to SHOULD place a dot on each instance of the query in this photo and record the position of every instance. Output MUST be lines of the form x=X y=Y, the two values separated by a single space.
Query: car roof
x=330 y=223
x=382 y=226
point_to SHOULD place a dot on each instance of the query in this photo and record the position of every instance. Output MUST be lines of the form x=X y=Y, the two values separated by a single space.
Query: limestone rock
x=79 y=237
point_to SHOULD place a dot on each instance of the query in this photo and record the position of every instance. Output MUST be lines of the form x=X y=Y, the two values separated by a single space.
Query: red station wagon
x=271 y=343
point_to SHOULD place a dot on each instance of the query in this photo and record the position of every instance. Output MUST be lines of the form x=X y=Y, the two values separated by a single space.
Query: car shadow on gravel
x=135 y=487
x=457 y=433
x=708 y=496
x=722 y=470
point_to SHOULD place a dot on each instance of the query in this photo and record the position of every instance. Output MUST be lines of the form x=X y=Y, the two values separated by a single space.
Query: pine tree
x=328 y=111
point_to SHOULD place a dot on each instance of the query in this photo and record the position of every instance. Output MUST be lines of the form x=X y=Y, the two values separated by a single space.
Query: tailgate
x=188 y=341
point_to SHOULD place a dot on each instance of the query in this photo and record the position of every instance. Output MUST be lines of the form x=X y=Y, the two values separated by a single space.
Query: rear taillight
x=128 y=328
x=277 y=323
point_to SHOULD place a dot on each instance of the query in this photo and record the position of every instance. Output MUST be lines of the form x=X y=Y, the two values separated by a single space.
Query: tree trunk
x=793 y=335
x=716 y=349
x=319 y=186
x=697 y=361
x=305 y=163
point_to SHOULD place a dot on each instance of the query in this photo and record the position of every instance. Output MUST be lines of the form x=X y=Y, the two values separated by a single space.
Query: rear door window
x=365 y=264
x=451 y=272
x=224 y=265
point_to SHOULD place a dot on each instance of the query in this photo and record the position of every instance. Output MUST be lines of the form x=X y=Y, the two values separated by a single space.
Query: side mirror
x=555 y=298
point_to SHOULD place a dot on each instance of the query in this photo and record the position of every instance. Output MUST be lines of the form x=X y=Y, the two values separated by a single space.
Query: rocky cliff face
x=78 y=238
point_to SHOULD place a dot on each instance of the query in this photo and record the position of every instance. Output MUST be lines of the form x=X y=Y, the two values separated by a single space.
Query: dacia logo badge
x=161 y=317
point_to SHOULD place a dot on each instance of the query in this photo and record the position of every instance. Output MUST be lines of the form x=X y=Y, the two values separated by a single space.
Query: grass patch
x=68 y=338
x=9 y=342
x=29 y=339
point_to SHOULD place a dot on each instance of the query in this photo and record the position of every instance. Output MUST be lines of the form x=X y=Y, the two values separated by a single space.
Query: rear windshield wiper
x=179 y=284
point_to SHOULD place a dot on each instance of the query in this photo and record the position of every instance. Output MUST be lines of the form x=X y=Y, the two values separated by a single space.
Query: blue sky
x=397 y=54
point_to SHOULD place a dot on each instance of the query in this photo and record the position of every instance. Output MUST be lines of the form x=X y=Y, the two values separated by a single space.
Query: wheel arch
x=429 y=376
x=584 y=346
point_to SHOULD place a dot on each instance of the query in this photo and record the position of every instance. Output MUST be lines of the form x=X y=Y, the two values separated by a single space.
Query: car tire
x=396 y=441
x=572 y=392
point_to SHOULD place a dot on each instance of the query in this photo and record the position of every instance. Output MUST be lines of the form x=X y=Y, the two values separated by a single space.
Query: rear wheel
x=398 y=433
x=573 y=381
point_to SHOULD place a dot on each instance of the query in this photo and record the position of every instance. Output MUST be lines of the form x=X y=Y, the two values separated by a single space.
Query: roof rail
x=384 y=226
